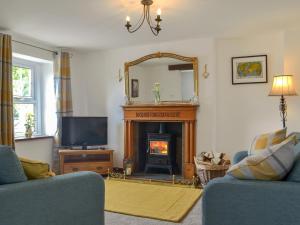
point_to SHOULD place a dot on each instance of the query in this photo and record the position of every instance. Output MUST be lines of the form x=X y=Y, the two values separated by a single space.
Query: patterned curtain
x=63 y=94
x=6 y=92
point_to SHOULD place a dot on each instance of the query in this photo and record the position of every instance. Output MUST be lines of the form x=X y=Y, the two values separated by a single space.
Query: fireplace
x=157 y=148
x=140 y=120
x=158 y=145
x=160 y=152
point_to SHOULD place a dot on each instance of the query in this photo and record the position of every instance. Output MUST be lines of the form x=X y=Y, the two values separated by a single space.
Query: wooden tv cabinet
x=98 y=161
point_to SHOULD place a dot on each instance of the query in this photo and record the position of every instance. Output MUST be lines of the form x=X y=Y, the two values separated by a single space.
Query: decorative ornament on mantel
x=156 y=92
x=155 y=29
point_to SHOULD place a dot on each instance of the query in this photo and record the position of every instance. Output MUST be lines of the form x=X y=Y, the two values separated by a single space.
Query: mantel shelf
x=160 y=105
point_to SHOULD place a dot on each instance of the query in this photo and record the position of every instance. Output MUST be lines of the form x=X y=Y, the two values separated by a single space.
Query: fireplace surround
x=183 y=113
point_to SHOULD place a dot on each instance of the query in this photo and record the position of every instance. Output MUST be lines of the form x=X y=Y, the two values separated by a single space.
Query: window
x=26 y=95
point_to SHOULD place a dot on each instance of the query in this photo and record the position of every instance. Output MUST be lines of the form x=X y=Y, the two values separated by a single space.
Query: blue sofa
x=72 y=199
x=228 y=201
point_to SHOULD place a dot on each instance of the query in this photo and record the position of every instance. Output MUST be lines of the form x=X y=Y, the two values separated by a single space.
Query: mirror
x=175 y=76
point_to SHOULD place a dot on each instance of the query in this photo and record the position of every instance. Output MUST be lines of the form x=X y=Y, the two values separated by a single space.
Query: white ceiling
x=99 y=24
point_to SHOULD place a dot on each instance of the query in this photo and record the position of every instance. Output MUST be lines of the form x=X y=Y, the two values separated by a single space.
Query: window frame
x=36 y=97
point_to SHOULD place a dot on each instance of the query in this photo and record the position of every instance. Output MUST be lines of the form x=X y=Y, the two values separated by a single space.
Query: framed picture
x=134 y=88
x=249 y=69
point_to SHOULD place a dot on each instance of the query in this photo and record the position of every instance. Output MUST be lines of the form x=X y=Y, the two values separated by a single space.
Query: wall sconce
x=205 y=74
x=120 y=77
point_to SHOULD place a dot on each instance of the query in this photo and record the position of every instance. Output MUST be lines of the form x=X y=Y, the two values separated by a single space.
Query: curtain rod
x=44 y=49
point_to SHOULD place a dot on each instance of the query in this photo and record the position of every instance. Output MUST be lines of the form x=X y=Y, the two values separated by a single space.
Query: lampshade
x=283 y=85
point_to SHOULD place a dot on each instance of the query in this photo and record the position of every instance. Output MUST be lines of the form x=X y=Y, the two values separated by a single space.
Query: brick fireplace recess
x=160 y=144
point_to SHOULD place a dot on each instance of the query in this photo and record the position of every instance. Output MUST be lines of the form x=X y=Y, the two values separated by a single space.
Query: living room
x=85 y=62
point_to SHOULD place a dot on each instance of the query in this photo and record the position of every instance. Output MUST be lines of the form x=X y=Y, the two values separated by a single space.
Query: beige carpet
x=157 y=201
x=194 y=217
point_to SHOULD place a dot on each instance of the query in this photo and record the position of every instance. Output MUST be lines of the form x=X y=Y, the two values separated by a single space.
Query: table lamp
x=283 y=86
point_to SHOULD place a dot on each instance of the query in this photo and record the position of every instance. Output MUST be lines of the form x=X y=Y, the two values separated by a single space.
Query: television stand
x=85 y=147
x=95 y=160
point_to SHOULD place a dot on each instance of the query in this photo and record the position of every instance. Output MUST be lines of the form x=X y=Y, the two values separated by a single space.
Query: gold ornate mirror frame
x=193 y=60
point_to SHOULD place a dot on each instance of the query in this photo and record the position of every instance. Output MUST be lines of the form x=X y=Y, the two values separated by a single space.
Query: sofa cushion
x=11 y=170
x=296 y=136
x=272 y=164
x=36 y=169
x=263 y=141
x=294 y=174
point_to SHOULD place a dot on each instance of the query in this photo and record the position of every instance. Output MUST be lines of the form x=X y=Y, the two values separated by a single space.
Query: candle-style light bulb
x=128 y=25
x=159 y=12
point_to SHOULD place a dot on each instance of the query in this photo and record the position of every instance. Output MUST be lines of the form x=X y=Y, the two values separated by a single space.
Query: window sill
x=19 y=139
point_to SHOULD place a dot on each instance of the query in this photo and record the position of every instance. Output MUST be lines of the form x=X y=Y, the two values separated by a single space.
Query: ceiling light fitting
x=146 y=16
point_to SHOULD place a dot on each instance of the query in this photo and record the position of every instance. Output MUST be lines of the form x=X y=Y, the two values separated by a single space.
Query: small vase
x=156 y=97
x=156 y=92
x=28 y=132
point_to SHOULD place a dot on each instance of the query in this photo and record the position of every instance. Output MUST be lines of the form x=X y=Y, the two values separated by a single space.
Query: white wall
x=79 y=85
x=244 y=111
x=292 y=66
x=106 y=93
x=40 y=149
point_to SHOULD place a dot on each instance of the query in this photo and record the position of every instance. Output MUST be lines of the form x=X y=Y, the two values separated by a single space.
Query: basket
x=207 y=172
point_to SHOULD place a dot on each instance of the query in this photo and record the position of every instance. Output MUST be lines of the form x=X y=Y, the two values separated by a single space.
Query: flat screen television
x=84 y=131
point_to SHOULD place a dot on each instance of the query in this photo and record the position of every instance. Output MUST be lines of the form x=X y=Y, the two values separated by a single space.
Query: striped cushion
x=272 y=164
x=263 y=141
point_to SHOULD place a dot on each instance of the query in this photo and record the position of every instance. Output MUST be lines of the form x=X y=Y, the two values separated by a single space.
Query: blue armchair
x=72 y=199
x=228 y=201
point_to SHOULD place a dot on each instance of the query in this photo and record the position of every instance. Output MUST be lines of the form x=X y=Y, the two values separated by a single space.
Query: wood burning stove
x=160 y=152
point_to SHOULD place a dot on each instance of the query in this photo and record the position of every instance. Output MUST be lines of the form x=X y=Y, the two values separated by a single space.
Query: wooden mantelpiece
x=171 y=112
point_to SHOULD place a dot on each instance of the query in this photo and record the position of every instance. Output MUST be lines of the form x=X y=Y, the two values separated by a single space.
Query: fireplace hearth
x=160 y=152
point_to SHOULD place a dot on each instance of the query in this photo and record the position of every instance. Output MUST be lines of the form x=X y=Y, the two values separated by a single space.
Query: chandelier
x=155 y=28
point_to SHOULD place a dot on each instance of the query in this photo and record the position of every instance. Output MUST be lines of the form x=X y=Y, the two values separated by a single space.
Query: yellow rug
x=156 y=201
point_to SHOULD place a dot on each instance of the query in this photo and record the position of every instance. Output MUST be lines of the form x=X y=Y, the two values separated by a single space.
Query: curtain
x=6 y=92
x=63 y=94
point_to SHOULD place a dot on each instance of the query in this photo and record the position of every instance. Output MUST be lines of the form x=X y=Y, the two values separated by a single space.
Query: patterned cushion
x=263 y=141
x=11 y=170
x=272 y=164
